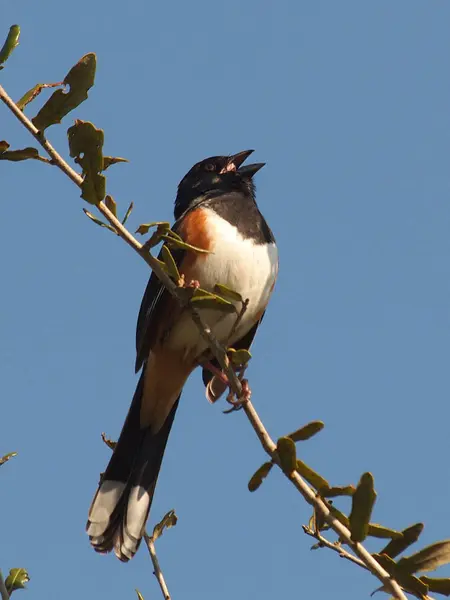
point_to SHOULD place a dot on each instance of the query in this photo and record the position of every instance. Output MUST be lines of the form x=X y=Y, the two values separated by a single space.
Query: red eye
x=210 y=167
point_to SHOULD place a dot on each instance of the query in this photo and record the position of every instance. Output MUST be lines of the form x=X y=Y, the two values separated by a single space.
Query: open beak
x=235 y=162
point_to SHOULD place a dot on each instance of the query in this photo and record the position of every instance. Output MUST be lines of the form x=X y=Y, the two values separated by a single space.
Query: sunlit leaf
x=175 y=243
x=380 y=532
x=437 y=585
x=111 y=204
x=170 y=263
x=80 y=78
x=239 y=357
x=287 y=454
x=306 y=432
x=228 y=293
x=98 y=222
x=3 y=146
x=169 y=520
x=313 y=478
x=409 y=536
x=139 y=595
x=212 y=303
x=145 y=227
x=11 y=42
x=4 y=459
x=258 y=477
x=23 y=154
x=362 y=504
x=34 y=93
x=112 y=160
x=428 y=559
x=16 y=580
x=85 y=145
x=128 y=213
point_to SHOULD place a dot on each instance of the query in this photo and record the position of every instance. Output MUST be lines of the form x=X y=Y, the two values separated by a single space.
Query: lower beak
x=250 y=170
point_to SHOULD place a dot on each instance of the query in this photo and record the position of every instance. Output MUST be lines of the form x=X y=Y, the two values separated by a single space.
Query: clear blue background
x=349 y=104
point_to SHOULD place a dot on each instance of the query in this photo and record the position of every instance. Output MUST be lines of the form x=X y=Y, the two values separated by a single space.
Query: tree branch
x=3 y=591
x=220 y=354
x=336 y=547
x=157 y=569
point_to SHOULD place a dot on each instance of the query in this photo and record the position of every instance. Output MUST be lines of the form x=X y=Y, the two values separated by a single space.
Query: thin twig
x=220 y=354
x=336 y=546
x=157 y=569
x=3 y=591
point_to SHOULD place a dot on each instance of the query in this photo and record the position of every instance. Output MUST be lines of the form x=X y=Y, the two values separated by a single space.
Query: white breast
x=241 y=265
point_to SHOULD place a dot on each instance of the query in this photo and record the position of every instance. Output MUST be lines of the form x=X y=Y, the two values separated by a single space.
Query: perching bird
x=215 y=209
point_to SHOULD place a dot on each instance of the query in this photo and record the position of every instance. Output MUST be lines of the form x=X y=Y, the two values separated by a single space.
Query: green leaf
x=287 y=454
x=206 y=300
x=313 y=478
x=169 y=520
x=11 y=42
x=239 y=357
x=4 y=459
x=34 y=93
x=258 y=477
x=128 y=213
x=112 y=160
x=80 y=78
x=306 y=432
x=3 y=146
x=410 y=535
x=228 y=293
x=16 y=580
x=438 y=585
x=111 y=445
x=139 y=595
x=380 y=532
x=144 y=228
x=409 y=582
x=170 y=263
x=98 y=222
x=362 y=504
x=23 y=154
x=85 y=145
x=111 y=204
x=335 y=491
x=428 y=559
x=175 y=243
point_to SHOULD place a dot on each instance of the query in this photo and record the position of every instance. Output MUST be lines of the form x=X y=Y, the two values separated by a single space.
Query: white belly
x=241 y=265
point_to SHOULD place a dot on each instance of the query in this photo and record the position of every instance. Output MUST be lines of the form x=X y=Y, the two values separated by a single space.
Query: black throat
x=232 y=197
x=242 y=211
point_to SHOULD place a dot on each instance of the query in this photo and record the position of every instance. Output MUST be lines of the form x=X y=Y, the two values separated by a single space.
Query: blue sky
x=349 y=104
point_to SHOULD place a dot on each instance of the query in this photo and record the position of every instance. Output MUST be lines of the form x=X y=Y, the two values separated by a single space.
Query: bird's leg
x=238 y=403
x=216 y=371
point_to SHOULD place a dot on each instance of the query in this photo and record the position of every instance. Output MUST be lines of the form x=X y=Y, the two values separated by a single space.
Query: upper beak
x=236 y=161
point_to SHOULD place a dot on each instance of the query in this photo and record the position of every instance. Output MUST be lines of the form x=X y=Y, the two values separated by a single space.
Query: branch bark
x=157 y=569
x=3 y=591
x=220 y=354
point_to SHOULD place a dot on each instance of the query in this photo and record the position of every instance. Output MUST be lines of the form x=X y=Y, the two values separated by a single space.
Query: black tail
x=120 y=508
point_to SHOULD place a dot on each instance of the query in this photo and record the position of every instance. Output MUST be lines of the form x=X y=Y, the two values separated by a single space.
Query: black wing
x=154 y=300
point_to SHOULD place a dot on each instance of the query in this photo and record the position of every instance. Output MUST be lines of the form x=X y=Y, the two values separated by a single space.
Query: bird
x=215 y=210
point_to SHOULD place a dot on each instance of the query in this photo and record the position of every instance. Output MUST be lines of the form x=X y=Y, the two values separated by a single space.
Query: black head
x=214 y=176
